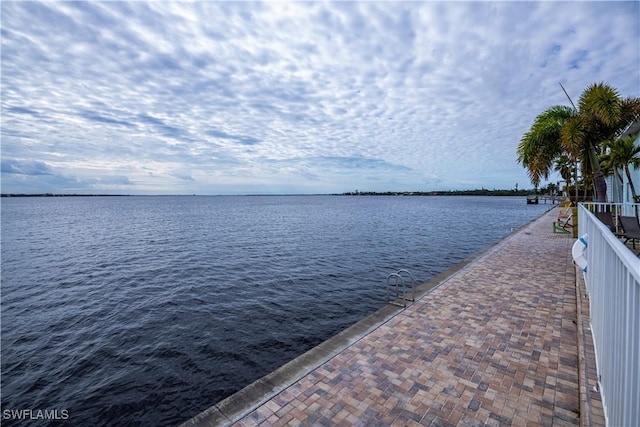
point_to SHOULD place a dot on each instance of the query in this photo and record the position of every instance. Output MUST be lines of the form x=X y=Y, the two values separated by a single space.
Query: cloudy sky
x=293 y=97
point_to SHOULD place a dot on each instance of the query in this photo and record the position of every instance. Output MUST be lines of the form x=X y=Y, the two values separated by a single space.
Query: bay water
x=148 y=310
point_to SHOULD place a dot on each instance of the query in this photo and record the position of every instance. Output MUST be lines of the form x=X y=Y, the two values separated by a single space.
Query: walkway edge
x=239 y=404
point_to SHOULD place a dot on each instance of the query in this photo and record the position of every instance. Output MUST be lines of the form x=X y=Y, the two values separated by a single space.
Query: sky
x=293 y=97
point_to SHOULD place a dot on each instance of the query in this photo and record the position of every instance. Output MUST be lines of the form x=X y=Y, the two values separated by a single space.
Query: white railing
x=613 y=283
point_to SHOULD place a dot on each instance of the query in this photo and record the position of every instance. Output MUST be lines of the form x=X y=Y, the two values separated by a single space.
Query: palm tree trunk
x=617 y=175
x=599 y=183
x=600 y=186
x=632 y=187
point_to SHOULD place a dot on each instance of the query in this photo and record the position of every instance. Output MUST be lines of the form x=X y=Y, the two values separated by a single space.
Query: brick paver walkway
x=494 y=344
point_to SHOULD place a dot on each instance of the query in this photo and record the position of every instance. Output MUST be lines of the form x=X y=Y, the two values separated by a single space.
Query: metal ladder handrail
x=413 y=282
x=399 y=280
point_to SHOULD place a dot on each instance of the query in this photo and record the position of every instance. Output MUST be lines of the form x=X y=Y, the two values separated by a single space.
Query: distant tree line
x=477 y=192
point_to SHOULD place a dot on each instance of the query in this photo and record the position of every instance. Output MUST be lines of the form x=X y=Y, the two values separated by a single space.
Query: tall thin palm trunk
x=632 y=188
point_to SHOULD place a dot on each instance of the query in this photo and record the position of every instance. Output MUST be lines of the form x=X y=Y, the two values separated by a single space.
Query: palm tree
x=542 y=145
x=621 y=154
x=601 y=114
x=563 y=165
x=578 y=133
x=608 y=167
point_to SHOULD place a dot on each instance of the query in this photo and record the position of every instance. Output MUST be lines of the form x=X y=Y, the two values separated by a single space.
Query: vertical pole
x=576 y=178
x=576 y=110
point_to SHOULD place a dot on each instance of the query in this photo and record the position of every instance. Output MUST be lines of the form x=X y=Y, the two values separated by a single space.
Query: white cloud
x=212 y=97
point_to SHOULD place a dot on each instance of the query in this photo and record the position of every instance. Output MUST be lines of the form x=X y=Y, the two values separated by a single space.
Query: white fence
x=613 y=284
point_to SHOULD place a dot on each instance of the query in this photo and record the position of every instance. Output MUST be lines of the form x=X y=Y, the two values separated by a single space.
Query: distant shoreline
x=478 y=192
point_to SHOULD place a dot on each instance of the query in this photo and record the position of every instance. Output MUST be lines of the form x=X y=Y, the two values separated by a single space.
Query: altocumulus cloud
x=25 y=167
x=304 y=97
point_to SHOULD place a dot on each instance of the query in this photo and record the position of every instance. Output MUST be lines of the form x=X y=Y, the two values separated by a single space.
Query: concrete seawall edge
x=234 y=407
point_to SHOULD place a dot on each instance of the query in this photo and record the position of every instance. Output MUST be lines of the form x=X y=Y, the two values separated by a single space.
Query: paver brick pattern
x=493 y=345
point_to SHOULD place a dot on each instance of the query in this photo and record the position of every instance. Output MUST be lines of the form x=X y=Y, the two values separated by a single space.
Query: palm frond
x=601 y=102
x=573 y=135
